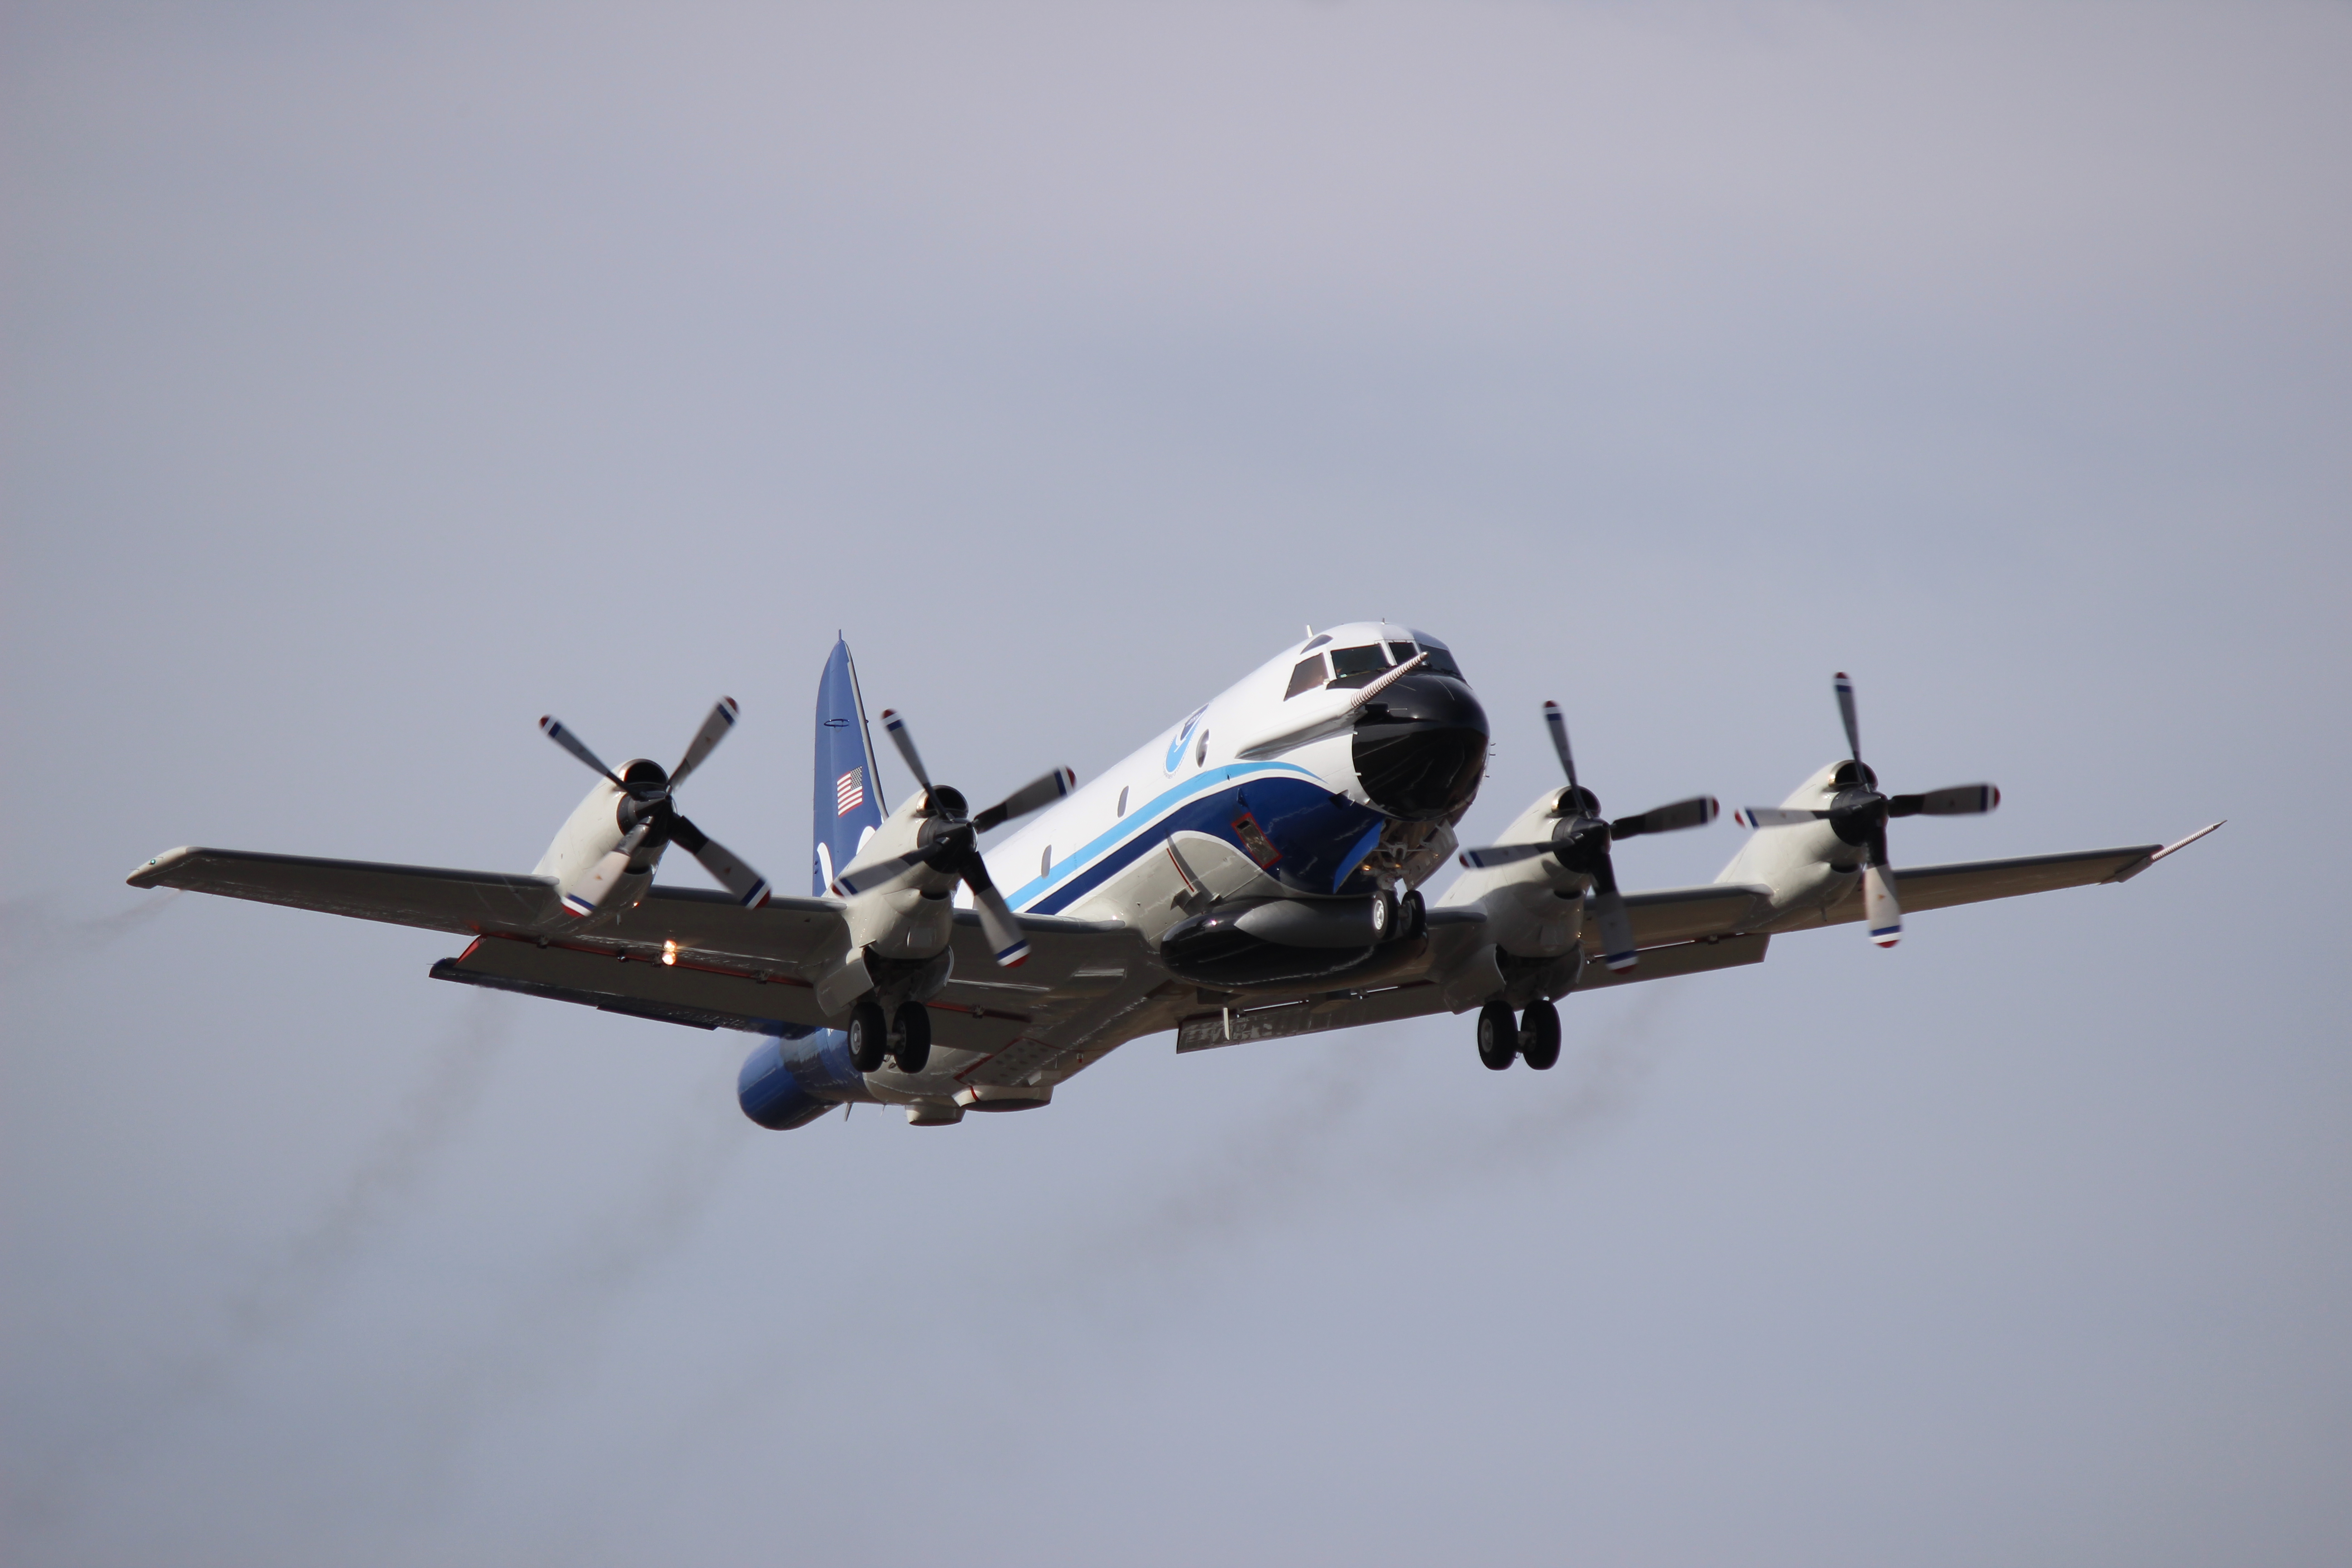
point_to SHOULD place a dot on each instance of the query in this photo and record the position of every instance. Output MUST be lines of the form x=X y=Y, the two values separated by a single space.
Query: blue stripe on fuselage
x=1322 y=836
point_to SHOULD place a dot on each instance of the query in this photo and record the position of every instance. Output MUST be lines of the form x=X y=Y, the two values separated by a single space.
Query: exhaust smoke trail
x=372 y=1195
x=1284 y=1161
x=544 y=1337
x=271 y=1306
x=32 y=933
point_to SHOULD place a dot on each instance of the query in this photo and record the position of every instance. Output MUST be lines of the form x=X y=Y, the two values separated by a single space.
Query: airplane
x=1254 y=872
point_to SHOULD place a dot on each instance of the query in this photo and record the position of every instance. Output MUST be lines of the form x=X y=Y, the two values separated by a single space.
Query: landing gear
x=911 y=1037
x=1540 y=1035
x=1412 y=917
x=869 y=1035
x=1384 y=914
x=1498 y=1037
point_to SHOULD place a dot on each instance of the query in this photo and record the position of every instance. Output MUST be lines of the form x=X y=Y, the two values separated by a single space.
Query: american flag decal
x=849 y=793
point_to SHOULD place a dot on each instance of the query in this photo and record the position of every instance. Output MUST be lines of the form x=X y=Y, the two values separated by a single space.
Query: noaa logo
x=1183 y=733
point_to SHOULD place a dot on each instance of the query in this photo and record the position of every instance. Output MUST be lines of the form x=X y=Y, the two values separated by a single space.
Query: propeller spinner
x=1580 y=839
x=650 y=819
x=949 y=841
x=1858 y=815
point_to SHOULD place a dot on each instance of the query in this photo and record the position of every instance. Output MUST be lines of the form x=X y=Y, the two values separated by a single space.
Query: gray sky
x=378 y=379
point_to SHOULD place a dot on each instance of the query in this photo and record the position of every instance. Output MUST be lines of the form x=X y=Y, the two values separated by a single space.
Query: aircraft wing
x=781 y=932
x=426 y=896
x=1974 y=881
x=694 y=956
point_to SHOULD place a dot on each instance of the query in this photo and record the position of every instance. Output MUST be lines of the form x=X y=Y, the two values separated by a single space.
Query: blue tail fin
x=848 y=797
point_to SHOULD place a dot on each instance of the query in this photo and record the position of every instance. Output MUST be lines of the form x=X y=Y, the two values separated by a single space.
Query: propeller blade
x=1880 y=911
x=1005 y=938
x=750 y=888
x=577 y=747
x=1616 y=931
x=1696 y=812
x=1960 y=800
x=895 y=722
x=1027 y=799
x=705 y=740
x=1846 y=711
x=1555 y=721
x=596 y=887
x=1504 y=853
x=1774 y=816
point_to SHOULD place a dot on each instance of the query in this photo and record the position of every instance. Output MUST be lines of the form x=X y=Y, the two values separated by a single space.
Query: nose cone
x=1421 y=748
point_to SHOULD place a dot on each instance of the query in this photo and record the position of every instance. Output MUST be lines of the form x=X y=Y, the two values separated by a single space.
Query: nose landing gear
x=1535 y=1036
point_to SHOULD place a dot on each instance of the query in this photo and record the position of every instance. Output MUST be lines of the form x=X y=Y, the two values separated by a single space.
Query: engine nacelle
x=593 y=830
x=790 y=1081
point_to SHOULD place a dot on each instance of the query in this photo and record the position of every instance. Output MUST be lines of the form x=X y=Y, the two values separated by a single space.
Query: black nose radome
x=1421 y=748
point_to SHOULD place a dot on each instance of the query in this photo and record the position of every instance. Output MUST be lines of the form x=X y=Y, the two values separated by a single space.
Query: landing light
x=669 y=952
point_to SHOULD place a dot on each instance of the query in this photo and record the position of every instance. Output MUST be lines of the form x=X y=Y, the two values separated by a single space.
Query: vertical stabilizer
x=848 y=797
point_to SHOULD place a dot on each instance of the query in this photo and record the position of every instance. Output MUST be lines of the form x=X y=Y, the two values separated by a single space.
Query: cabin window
x=1122 y=801
x=1046 y=861
x=1306 y=677
x=1200 y=752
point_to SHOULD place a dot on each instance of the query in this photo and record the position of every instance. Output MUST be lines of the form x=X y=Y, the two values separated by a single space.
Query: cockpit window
x=1400 y=652
x=1439 y=662
x=1306 y=677
x=1348 y=661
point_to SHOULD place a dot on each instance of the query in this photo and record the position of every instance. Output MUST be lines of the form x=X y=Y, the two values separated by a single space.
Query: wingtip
x=2137 y=867
x=151 y=873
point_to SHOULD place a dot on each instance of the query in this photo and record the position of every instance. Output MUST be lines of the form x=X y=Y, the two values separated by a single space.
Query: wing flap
x=1420 y=999
x=693 y=991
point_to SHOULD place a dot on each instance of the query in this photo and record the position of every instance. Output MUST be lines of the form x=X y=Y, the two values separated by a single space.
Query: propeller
x=1580 y=839
x=1858 y=815
x=948 y=841
x=650 y=819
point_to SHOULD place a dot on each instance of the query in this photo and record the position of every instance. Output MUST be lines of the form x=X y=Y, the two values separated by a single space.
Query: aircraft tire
x=910 y=1038
x=869 y=1035
x=1412 y=917
x=1540 y=1035
x=1498 y=1037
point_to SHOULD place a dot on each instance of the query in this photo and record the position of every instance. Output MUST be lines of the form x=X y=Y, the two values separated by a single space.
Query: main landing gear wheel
x=1412 y=917
x=1498 y=1037
x=1540 y=1035
x=910 y=1038
x=869 y=1035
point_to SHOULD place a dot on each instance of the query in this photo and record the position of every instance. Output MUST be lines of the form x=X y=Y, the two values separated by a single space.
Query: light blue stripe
x=1138 y=822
